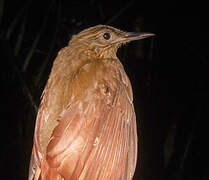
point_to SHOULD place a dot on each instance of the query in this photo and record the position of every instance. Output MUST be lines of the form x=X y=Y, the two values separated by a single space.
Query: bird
x=86 y=123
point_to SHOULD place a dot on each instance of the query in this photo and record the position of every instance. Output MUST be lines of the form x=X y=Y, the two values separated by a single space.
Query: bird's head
x=103 y=41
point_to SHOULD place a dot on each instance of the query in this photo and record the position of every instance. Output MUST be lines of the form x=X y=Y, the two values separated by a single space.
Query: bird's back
x=88 y=128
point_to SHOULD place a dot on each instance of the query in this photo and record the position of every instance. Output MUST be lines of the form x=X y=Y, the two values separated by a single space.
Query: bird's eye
x=106 y=36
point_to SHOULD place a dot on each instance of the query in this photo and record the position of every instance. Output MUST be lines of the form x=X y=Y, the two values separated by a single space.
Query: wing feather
x=95 y=137
x=105 y=147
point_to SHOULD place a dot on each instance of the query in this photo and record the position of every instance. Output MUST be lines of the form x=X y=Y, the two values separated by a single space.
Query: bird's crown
x=103 y=40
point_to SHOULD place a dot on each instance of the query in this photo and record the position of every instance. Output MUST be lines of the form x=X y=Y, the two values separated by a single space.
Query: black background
x=169 y=75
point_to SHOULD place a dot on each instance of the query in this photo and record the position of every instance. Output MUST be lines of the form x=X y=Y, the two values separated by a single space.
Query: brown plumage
x=86 y=124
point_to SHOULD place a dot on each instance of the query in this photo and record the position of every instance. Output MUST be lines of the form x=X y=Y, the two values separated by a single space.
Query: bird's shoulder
x=97 y=74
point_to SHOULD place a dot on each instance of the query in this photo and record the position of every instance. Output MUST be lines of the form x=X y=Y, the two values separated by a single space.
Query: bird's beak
x=132 y=36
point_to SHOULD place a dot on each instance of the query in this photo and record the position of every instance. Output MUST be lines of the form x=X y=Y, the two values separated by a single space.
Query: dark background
x=169 y=75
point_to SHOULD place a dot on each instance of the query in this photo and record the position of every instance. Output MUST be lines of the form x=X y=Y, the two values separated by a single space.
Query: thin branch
x=14 y=23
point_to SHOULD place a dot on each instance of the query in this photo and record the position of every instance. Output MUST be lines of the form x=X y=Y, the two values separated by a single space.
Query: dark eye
x=106 y=36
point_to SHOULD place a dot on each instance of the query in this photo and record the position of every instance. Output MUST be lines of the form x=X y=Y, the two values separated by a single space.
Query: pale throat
x=106 y=53
x=83 y=49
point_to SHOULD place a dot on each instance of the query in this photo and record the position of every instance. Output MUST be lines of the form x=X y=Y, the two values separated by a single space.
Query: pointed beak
x=132 y=36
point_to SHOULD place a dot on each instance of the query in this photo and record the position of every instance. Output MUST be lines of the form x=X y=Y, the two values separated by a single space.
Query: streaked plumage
x=86 y=124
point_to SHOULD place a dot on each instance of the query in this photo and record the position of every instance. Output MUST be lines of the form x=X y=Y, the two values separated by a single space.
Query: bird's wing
x=96 y=135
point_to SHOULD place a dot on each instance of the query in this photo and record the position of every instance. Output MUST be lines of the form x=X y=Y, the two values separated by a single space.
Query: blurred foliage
x=20 y=51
